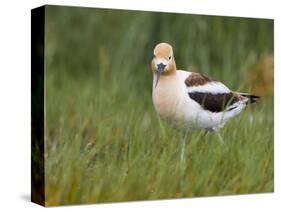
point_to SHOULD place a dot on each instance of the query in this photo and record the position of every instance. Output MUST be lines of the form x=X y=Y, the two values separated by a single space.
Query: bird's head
x=163 y=62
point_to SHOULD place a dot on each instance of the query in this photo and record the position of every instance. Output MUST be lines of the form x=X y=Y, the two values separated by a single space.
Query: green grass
x=106 y=146
x=104 y=141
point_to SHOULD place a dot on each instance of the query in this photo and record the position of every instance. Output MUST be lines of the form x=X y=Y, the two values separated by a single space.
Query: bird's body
x=175 y=102
x=192 y=100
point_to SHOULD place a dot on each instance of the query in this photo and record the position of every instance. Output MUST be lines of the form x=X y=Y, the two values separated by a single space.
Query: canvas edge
x=37 y=105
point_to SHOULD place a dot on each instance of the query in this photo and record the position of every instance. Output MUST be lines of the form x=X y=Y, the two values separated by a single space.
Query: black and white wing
x=212 y=95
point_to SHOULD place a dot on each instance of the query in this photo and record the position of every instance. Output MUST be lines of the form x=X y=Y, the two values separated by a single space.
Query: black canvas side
x=37 y=105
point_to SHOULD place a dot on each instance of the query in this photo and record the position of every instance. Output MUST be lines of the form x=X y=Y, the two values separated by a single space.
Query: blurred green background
x=104 y=141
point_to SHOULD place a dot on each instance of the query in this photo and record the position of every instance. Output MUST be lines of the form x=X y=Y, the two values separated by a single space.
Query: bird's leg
x=205 y=135
x=220 y=138
x=183 y=142
x=183 y=159
x=223 y=144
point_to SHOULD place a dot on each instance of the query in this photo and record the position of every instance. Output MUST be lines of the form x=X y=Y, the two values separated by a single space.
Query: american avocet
x=192 y=100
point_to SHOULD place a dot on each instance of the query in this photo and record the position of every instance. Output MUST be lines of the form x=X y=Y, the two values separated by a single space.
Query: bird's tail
x=251 y=98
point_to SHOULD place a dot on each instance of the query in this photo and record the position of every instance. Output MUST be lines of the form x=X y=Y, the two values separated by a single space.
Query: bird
x=192 y=100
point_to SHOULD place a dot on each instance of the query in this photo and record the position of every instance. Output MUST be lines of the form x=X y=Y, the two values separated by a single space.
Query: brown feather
x=197 y=79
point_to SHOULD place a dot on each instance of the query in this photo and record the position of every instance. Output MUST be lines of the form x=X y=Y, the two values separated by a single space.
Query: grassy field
x=104 y=141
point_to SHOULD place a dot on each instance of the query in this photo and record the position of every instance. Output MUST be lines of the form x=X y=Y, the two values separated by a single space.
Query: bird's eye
x=170 y=57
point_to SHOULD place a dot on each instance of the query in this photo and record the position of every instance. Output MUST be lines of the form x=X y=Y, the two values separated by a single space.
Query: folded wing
x=212 y=95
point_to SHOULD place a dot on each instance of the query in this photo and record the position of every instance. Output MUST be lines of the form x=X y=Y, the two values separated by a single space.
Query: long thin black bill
x=159 y=72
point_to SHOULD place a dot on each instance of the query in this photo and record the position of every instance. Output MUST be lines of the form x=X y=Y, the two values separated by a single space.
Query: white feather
x=210 y=87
